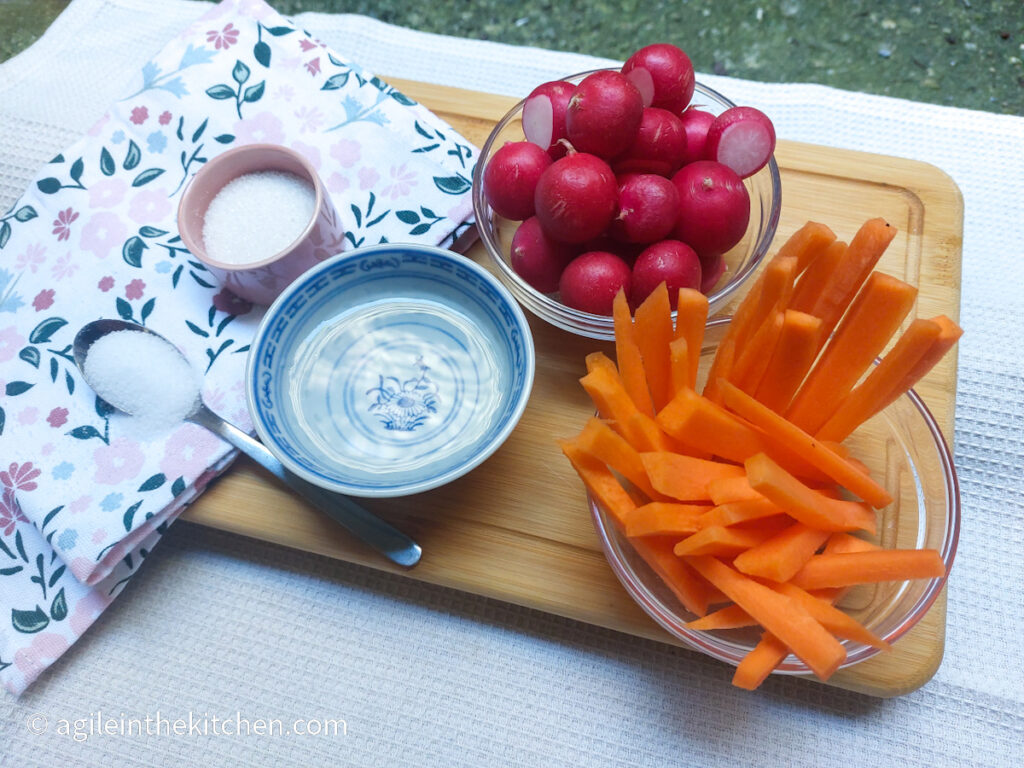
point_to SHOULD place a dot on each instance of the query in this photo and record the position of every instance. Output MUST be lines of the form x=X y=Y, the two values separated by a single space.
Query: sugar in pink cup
x=303 y=237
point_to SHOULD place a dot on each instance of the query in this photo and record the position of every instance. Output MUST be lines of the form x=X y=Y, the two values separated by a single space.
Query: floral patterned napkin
x=82 y=499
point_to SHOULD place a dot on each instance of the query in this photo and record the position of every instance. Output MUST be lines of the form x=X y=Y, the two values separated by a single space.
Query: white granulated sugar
x=256 y=216
x=145 y=376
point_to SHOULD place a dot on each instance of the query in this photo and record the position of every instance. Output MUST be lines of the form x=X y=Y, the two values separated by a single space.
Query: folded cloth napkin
x=84 y=498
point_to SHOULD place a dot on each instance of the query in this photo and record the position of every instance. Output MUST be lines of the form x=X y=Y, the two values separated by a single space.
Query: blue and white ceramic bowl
x=389 y=370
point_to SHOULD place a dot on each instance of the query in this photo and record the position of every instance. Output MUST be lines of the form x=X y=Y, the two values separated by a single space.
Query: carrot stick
x=873 y=317
x=813 y=281
x=720 y=542
x=689 y=588
x=661 y=518
x=697 y=422
x=866 y=398
x=644 y=434
x=948 y=336
x=778 y=614
x=628 y=357
x=735 y=512
x=805 y=446
x=679 y=364
x=755 y=667
x=781 y=556
x=596 y=360
x=753 y=362
x=691 y=317
x=776 y=291
x=607 y=446
x=684 y=477
x=844 y=570
x=806 y=245
x=601 y=483
x=730 y=617
x=792 y=358
x=840 y=542
x=653 y=332
x=860 y=258
x=769 y=652
x=804 y=504
x=728 y=489
x=831 y=618
x=613 y=403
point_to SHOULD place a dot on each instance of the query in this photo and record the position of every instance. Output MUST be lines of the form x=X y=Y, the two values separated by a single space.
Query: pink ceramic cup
x=260 y=281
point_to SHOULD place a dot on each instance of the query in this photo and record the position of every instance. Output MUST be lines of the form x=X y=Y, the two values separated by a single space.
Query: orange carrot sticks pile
x=742 y=494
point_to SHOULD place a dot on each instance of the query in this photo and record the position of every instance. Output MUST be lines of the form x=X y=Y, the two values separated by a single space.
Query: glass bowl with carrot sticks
x=779 y=498
x=723 y=274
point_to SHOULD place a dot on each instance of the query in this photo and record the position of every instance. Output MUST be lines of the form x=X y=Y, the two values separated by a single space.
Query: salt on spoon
x=153 y=379
x=143 y=375
x=256 y=216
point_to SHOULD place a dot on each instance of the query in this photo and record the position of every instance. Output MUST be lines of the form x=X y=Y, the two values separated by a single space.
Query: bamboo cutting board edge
x=244 y=502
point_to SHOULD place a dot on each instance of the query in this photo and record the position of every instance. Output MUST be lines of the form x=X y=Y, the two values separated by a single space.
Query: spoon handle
x=360 y=522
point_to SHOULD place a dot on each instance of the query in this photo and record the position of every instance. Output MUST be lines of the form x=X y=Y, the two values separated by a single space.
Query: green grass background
x=966 y=53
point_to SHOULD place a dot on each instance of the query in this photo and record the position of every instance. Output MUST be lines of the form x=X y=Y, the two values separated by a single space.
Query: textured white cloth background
x=215 y=624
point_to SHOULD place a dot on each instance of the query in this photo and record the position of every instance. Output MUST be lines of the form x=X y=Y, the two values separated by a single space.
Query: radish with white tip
x=742 y=138
x=544 y=116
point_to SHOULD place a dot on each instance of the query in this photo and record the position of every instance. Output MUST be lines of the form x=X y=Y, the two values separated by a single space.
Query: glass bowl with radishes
x=626 y=178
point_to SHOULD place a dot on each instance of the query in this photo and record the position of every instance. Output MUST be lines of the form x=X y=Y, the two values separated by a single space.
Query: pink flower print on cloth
x=31 y=258
x=104 y=233
x=118 y=461
x=92 y=491
x=224 y=38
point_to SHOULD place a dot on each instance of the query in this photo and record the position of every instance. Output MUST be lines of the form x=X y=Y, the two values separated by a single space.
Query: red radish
x=659 y=147
x=668 y=261
x=696 y=124
x=544 y=116
x=511 y=177
x=671 y=73
x=714 y=207
x=742 y=138
x=604 y=114
x=591 y=281
x=576 y=198
x=648 y=207
x=537 y=258
x=712 y=269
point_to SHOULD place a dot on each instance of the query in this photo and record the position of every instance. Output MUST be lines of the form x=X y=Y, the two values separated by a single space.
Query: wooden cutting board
x=517 y=529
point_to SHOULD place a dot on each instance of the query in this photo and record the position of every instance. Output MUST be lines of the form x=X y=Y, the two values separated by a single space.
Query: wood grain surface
x=517 y=529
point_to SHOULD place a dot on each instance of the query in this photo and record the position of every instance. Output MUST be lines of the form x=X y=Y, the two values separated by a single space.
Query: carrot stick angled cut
x=606 y=445
x=804 y=504
x=660 y=518
x=848 y=569
x=873 y=318
x=807 y=244
x=805 y=446
x=792 y=358
x=778 y=614
x=691 y=317
x=653 y=331
x=864 y=251
x=869 y=396
x=684 y=477
x=781 y=556
x=628 y=357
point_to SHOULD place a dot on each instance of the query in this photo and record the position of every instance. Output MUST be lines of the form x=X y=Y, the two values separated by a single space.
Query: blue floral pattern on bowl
x=390 y=370
x=405 y=405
